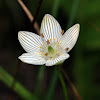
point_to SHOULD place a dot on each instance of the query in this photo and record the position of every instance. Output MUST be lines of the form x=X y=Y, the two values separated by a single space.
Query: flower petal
x=50 y=28
x=32 y=58
x=70 y=37
x=61 y=58
x=29 y=41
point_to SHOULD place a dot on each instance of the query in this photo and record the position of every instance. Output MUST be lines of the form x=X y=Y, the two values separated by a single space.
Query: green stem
x=39 y=80
x=18 y=88
x=52 y=86
x=62 y=83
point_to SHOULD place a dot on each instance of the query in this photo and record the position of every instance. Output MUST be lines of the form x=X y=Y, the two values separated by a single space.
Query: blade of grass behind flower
x=52 y=86
x=71 y=20
x=18 y=88
x=62 y=83
x=55 y=7
x=73 y=12
x=39 y=80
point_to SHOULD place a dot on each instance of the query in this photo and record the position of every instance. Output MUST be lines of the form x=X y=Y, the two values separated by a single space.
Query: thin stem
x=39 y=80
x=52 y=86
x=62 y=83
x=26 y=10
x=28 y=13
x=37 y=11
x=71 y=84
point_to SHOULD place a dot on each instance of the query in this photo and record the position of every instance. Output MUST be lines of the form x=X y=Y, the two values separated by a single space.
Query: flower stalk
x=50 y=92
x=39 y=80
x=62 y=83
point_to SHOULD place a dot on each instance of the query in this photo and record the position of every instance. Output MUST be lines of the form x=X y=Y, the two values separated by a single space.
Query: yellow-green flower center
x=51 y=51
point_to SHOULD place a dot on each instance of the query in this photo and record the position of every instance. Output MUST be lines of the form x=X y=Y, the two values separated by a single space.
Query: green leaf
x=18 y=88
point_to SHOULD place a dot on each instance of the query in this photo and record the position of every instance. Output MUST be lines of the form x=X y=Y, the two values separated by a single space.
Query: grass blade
x=62 y=83
x=73 y=12
x=18 y=88
x=39 y=80
x=55 y=7
x=52 y=86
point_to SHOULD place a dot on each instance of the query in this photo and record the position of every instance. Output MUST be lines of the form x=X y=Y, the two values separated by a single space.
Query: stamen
x=46 y=54
x=62 y=32
x=42 y=35
x=40 y=47
x=48 y=42
x=67 y=49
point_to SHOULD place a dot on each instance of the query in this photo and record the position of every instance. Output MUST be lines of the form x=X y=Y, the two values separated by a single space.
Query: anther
x=62 y=32
x=48 y=42
x=46 y=54
x=42 y=35
x=67 y=49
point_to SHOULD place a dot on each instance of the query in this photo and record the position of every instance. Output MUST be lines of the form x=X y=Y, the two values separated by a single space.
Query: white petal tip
x=77 y=25
x=20 y=33
x=47 y=15
x=32 y=58
x=20 y=58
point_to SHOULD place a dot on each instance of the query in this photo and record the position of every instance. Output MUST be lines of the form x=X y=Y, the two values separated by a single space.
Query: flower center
x=51 y=49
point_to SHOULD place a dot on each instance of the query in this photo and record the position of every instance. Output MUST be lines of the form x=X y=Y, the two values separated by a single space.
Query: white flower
x=51 y=47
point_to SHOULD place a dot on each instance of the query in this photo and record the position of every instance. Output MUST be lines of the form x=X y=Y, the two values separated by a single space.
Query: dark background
x=83 y=66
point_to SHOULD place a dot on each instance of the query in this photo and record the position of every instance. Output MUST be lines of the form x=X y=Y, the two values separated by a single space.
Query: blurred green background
x=83 y=66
